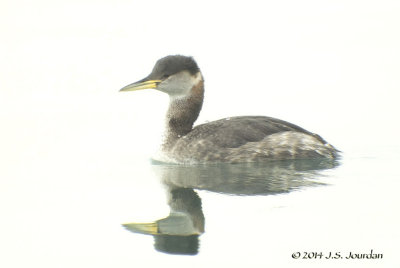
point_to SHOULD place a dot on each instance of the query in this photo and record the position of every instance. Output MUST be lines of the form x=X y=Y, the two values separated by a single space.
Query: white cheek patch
x=179 y=85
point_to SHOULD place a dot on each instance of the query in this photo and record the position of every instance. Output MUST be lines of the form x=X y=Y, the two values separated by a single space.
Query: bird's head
x=175 y=75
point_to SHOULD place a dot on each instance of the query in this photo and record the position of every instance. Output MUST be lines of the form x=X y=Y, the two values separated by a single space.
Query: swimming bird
x=233 y=139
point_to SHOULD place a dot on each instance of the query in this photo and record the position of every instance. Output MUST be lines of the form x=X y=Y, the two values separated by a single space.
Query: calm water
x=93 y=212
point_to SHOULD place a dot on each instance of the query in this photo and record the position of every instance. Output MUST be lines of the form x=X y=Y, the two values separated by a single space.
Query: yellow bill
x=142 y=228
x=141 y=85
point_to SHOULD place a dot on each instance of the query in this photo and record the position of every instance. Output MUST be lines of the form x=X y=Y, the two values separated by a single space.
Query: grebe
x=233 y=139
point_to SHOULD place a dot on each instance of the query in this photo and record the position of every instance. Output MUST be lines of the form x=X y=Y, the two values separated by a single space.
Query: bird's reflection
x=179 y=232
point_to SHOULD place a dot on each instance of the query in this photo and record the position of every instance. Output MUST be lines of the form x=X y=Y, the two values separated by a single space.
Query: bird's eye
x=165 y=76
